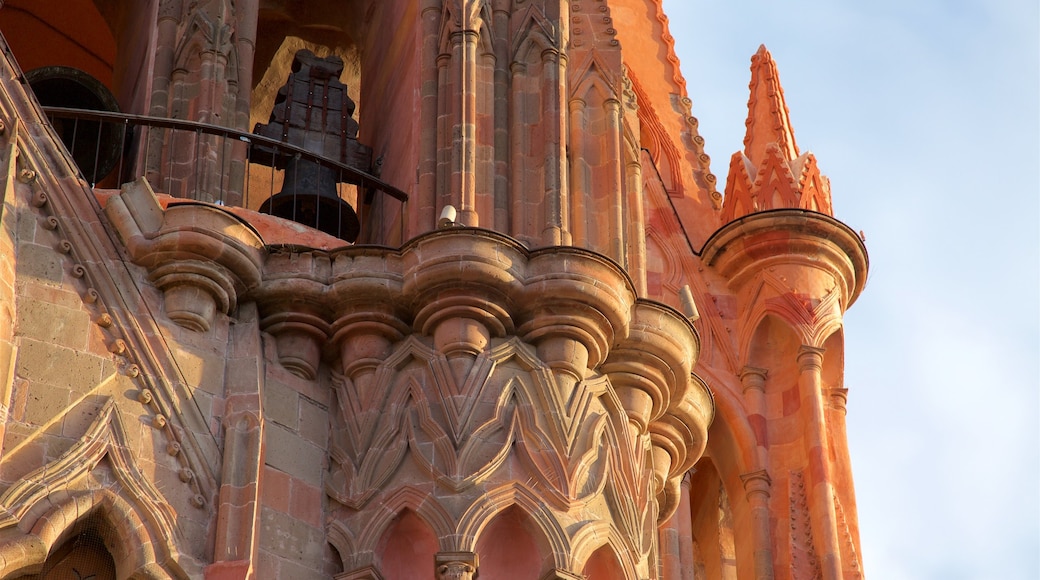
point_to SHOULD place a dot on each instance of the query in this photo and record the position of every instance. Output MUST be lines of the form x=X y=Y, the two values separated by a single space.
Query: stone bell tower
x=547 y=347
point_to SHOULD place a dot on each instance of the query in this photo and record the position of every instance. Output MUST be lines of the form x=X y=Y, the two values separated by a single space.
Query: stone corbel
x=201 y=257
x=461 y=288
x=368 y=319
x=576 y=306
x=650 y=369
x=289 y=301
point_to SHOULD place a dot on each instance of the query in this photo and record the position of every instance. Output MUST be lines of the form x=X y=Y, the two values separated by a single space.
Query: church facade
x=403 y=289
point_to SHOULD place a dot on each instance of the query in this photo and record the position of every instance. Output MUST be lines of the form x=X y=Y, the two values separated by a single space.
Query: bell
x=309 y=197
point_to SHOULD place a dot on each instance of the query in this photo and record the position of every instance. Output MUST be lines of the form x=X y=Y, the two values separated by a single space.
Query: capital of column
x=810 y=358
x=753 y=378
x=757 y=484
x=840 y=399
x=455 y=565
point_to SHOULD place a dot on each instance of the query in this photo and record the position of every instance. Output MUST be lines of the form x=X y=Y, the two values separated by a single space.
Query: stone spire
x=770 y=172
x=768 y=120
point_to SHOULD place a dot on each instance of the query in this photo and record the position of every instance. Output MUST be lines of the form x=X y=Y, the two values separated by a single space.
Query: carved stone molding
x=743 y=248
x=201 y=257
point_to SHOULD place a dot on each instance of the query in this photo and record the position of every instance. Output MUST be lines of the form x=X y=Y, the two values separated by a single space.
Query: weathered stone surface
x=590 y=365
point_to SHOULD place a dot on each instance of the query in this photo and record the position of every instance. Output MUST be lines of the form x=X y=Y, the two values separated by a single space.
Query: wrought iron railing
x=200 y=161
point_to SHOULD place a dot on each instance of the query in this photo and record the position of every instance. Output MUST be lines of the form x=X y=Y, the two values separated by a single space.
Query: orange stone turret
x=793 y=271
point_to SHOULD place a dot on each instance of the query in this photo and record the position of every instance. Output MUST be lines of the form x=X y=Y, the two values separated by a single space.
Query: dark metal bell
x=309 y=197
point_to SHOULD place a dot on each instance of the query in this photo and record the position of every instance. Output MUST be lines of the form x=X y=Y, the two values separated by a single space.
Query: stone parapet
x=745 y=247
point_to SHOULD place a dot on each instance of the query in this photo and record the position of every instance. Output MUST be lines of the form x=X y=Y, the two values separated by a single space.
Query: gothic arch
x=423 y=504
x=655 y=139
x=104 y=440
x=532 y=34
x=512 y=545
x=489 y=505
x=137 y=552
x=599 y=535
x=834 y=358
x=774 y=341
x=407 y=548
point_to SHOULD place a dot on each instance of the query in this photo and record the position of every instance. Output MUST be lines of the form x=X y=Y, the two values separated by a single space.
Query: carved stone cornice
x=744 y=247
x=201 y=257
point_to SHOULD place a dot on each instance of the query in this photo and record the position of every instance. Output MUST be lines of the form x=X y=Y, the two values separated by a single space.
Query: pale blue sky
x=925 y=114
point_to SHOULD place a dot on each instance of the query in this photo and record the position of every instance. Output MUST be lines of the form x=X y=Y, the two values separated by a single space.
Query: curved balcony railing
x=199 y=161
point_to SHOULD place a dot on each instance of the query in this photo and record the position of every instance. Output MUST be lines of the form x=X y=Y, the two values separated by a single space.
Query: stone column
x=753 y=381
x=424 y=214
x=554 y=67
x=756 y=488
x=615 y=246
x=822 y=513
x=636 y=220
x=576 y=177
x=687 y=565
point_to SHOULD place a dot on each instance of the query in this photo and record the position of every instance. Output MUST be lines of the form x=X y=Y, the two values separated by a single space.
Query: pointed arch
x=407 y=548
x=137 y=551
x=420 y=502
x=105 y=439
x=475 y=520
x=656 y=140
x=834 y=359
x=600 y=537
x=61 y=493
x=774 y=342
x=511 y=545
x=532 y=31
x=604 y=564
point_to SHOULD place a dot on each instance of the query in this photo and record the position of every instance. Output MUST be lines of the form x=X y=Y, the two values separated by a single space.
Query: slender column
x=636 y=259
x=424 y=212
x=578 y=193
x=462 y=94
x=165 y=45
x=500 y=16
x=843 y=470
x=442 y=193
x=822 y=512
x=517 y=145
x=553 y=67
x=615 y=240
x=687 y=564
x=669 y=549
x=753 y=381
x=756 y=488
